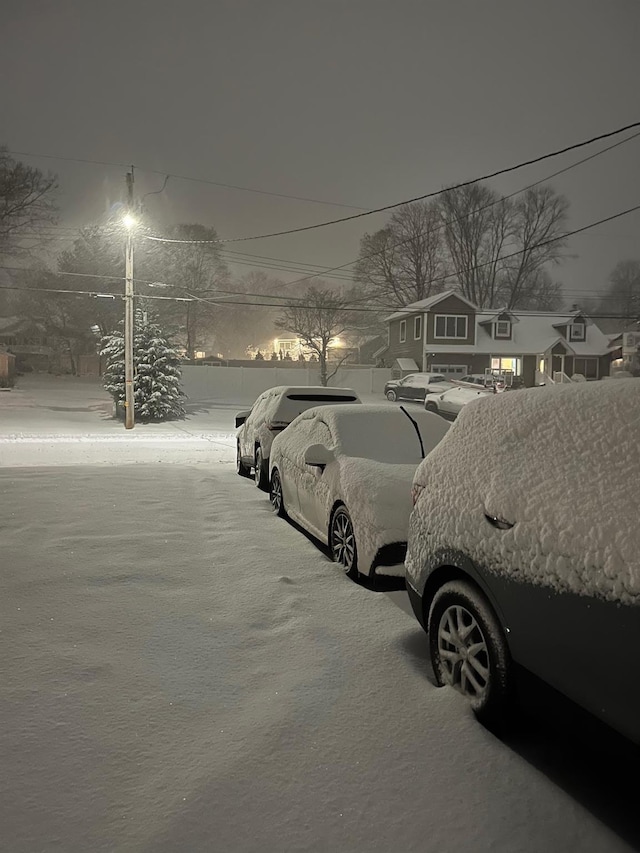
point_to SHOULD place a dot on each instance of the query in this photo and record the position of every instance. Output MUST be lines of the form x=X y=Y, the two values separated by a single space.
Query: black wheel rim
x=276 y=492
x=343 y=543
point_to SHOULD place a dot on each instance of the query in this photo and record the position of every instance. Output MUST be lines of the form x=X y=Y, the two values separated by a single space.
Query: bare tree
x=193 y=271
x=623 y=295
x=537 y=217
x=401 y=263
x=317 y=321
x=477 y=225
x=26 y=204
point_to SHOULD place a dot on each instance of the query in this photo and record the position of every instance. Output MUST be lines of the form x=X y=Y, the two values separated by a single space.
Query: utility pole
x=129 y=221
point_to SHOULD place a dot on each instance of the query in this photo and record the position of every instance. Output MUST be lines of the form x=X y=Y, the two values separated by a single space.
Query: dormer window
x=503 y=329
x=577 y=331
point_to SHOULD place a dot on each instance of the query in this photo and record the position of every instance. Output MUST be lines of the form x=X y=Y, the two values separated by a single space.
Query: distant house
x=27 y=340
x=448 y=334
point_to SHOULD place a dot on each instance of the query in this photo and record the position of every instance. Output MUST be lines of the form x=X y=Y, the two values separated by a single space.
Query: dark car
x=416 y=386
x=524 y=548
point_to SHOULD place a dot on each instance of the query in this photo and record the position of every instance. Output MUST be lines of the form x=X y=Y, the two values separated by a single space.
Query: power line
x=396 y=309
x=432 y=194
x=193 y=298
x=168 y=175
x=442 y=225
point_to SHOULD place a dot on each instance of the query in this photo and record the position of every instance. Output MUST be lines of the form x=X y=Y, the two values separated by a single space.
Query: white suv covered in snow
x=524 y=548
x=270 y=414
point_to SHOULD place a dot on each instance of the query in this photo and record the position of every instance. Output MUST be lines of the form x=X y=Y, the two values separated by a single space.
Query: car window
x=291 y=405
x=436 y=379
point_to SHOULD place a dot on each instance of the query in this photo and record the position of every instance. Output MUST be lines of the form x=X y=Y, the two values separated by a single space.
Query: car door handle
x=498 y=523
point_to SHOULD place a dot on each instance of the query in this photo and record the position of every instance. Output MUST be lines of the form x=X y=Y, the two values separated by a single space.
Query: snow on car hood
x=561 y=463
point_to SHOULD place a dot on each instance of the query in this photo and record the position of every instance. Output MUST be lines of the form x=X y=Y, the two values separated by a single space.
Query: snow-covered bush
x=156 y=368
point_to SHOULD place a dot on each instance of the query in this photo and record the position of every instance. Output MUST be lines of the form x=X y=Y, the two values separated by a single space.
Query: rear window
x=323 y=398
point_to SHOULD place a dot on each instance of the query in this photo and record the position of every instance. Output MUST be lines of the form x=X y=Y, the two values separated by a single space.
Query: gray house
x=447 y=334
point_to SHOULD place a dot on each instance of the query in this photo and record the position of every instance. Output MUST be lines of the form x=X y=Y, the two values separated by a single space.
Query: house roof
x=426 y=304
x=535 y=334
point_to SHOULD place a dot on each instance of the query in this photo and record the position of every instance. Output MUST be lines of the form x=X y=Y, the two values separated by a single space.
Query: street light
x=129 y=221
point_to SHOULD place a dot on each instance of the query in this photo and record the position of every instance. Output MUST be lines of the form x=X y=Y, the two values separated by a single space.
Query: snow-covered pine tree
x=156 y=367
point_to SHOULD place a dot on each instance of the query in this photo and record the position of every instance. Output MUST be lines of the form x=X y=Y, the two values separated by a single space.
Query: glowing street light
x=128 y=221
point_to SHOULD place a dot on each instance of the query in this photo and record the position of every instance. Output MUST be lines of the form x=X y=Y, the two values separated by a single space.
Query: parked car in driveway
x=481 y=380
x=451 y=403
x=416 y=386
x=344 y=473
x=524 y=549
x=270 y=414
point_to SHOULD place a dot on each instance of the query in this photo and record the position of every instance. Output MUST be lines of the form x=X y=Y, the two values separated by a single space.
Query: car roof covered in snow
x=562 y=463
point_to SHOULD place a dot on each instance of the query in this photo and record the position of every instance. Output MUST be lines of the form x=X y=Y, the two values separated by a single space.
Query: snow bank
x=563 y=464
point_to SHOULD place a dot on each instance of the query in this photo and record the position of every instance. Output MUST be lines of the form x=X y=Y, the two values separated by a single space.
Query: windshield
x=385 y=437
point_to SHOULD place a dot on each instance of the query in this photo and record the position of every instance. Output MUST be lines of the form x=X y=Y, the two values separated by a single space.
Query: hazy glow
x=128 y=220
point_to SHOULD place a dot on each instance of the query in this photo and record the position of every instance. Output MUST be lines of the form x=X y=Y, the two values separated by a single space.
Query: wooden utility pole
x=129 y=408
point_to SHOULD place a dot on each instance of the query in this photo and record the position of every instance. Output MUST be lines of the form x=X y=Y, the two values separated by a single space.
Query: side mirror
x=241 y=417
x=318 y=455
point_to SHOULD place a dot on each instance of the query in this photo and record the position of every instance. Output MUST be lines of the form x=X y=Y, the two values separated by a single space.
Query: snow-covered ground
x=183 y=671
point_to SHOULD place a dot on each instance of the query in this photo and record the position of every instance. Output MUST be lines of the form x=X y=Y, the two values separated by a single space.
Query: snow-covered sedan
x=451 y=403
x=524 y=549
x=344 y=473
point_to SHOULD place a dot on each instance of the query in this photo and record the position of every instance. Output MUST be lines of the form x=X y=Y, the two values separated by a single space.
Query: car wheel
x=342 y=542
x=431 y=406
x=242 y=469
x=391 y=395
x=275 y=494
x=261 y=476
x=469 y=651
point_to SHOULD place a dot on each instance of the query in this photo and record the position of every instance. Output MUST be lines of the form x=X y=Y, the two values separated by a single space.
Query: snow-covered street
x=184 y=671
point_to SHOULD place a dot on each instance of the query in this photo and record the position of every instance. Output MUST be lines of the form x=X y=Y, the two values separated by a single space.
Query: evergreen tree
x=156 y=367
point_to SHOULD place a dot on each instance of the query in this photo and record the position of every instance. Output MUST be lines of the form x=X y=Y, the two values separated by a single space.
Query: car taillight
x=277 y=425
x=416 y=491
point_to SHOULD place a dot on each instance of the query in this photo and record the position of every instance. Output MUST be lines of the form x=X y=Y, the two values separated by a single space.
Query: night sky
x=360 y=102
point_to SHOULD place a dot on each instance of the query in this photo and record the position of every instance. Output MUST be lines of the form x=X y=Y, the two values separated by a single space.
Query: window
x=503 y=329
x=588 y=367
x=451 y=326
x=403 y=331
x=511 y=364
x=417 y=328
x=577 y=331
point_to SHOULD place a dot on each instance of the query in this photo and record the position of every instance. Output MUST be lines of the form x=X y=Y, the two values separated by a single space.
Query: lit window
x=403 y=331
x=451 y=326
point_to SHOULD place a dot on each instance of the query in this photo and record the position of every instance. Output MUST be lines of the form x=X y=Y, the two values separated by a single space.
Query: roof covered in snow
x=427 y=304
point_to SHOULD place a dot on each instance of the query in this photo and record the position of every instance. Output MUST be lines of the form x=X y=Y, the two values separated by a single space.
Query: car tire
x=430 y=406
x=242 y=469
x=469 y=651
x=275 y=494
x=392 y=396
x=342 y=542
x=261 y=475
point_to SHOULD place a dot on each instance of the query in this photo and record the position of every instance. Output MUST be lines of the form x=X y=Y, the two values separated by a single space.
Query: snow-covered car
x=274 y=410
x=482 y=380
x=344 y=473
x=451 y=403
x=524 y=548
x=416 y=386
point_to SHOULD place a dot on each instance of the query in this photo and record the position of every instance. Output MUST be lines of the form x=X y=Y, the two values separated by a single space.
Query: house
x=448 y=334
x=27 y=340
